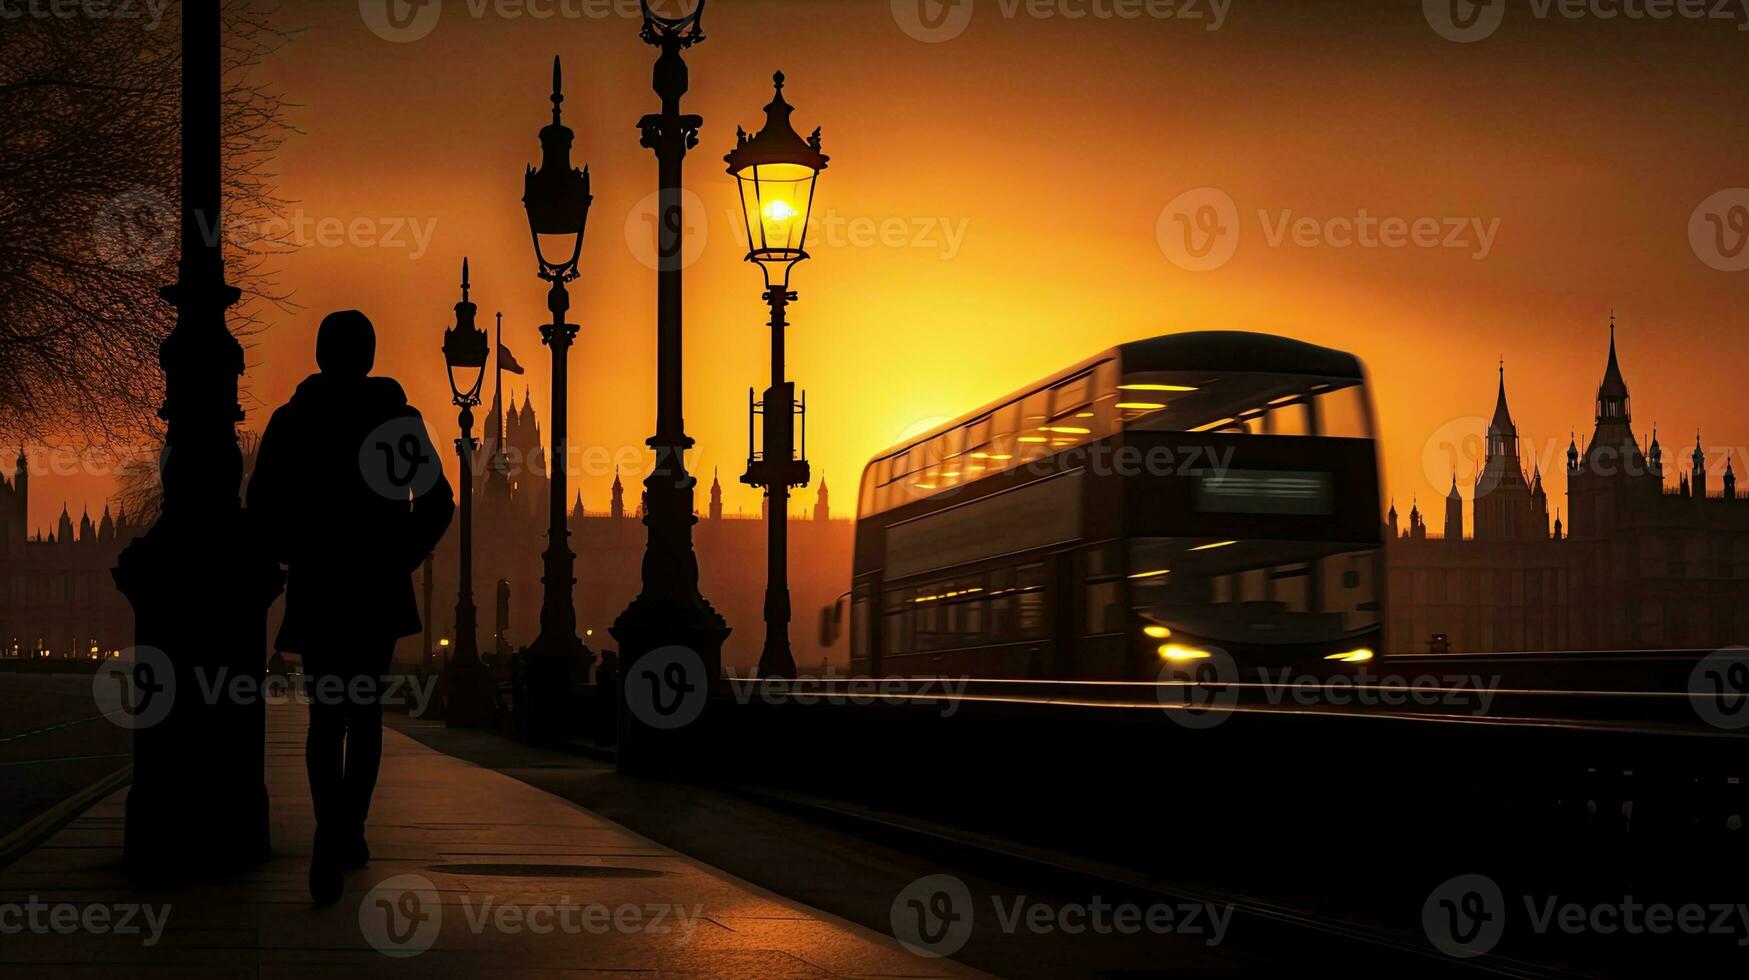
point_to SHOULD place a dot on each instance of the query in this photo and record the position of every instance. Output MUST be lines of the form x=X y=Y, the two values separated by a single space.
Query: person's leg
x=325 y=758
x=324 y=747
x=364 y=741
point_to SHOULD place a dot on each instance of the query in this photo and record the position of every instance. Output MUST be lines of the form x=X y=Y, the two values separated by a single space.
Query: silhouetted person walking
x=350 y=494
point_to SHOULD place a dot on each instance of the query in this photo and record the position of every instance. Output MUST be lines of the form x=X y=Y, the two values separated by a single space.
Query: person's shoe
x=326 y=885
x=355 y=853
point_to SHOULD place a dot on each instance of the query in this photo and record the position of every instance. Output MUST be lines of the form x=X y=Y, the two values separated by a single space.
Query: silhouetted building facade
x=1638 y=565
x=57 y=598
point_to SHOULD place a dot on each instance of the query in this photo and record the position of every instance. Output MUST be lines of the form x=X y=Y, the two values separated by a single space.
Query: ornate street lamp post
x=199 y=580
x=557 y=199
x=777 y=171
x=467 y=694
x=669 y=611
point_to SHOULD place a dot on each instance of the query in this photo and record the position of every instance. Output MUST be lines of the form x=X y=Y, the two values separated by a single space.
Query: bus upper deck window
x=1292 y=418
x=977 y=434
x=1072 y=396
x=1343 y=414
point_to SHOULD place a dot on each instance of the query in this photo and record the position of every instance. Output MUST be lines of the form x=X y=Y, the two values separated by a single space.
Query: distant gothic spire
x=1502 y=422
x=1612 y=393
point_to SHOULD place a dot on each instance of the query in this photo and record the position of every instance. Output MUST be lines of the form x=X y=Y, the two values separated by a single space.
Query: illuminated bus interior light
x=1141 y=406
x=1211 y=426
x=1157 y=632
x=1146 y=387
x=1211 y=547
x=1067 y=430
x=1178 y=653
x=1032 y=438
x=1156 y=573
x=1359 y=656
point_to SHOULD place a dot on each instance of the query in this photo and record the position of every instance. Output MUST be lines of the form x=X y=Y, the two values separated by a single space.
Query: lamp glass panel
x=775 y=200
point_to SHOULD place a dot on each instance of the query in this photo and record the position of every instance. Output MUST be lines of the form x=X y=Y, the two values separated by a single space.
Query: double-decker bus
x=1158 y=501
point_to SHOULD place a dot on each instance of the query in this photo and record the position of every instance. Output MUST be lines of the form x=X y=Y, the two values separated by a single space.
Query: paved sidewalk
x=473 y=873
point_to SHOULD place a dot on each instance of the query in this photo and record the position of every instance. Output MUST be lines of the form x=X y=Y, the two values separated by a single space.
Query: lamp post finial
x=558 y=95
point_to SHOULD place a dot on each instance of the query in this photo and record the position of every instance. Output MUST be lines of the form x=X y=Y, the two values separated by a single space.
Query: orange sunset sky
x=993 y=201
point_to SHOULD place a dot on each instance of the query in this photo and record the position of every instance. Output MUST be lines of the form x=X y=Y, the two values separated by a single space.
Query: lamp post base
x=776 y=660
x=467 y=695
x=550 y=670
x=198 y=804
x=664 y=718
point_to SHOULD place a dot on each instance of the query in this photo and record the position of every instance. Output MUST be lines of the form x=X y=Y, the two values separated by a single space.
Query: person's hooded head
x=346 y=345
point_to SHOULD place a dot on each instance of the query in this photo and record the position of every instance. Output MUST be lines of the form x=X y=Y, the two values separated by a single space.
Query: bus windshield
x=1244 y=403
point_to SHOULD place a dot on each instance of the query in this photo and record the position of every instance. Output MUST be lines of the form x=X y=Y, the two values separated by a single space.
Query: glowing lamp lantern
x=557 y=196
x=776 y=170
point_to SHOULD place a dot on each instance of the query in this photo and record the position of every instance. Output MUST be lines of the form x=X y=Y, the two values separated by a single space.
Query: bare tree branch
x=89 y=173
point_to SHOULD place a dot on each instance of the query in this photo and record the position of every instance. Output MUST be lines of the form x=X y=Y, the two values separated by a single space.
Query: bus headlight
x=1359 y=656
x=1179 y=653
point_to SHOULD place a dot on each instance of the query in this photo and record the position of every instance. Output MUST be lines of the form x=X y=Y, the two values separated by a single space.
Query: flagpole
x=498 y=380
